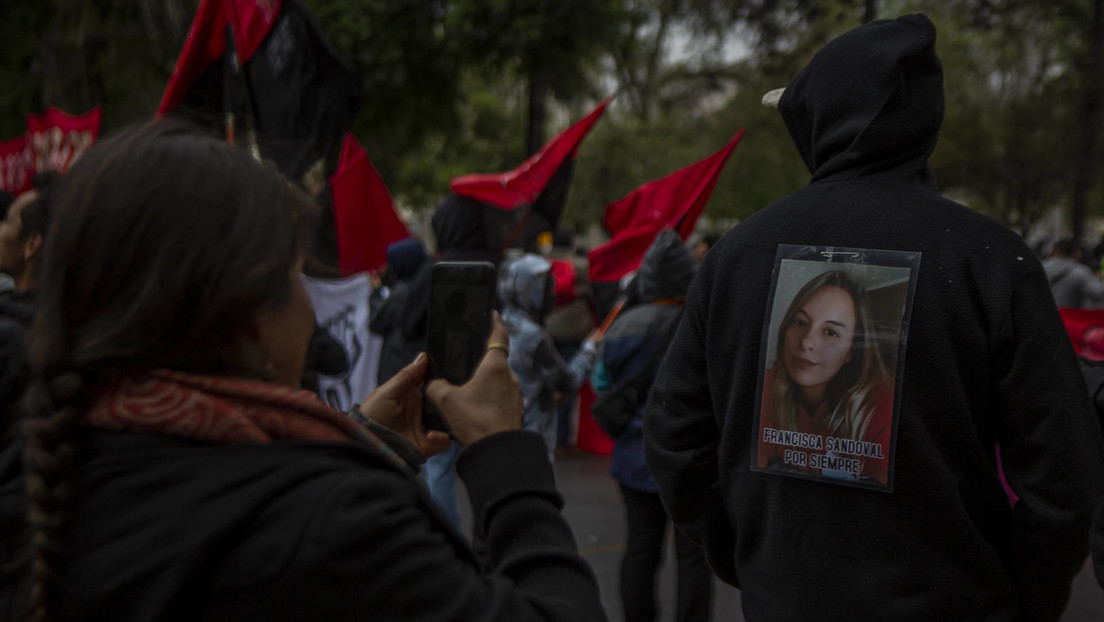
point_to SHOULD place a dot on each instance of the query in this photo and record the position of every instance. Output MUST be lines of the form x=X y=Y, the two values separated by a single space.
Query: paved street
x=593 y=506
x=594 y=509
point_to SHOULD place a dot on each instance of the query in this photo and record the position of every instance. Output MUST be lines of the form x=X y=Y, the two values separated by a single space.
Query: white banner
x=341 y=308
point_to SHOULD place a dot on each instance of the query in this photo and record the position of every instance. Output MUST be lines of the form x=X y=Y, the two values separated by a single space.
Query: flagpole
x=229 y=72
x=516 y=232
x=250 y=113
x=618 y=307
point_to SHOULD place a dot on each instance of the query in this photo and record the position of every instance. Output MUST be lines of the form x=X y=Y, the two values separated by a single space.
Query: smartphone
x=461 y=299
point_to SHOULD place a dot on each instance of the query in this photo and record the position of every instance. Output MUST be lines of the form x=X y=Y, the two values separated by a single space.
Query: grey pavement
x=593 y=507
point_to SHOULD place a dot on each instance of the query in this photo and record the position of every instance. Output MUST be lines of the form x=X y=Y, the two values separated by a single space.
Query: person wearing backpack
x=632 y=349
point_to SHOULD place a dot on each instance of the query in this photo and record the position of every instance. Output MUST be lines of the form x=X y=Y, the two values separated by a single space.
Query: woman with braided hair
x=175 y=471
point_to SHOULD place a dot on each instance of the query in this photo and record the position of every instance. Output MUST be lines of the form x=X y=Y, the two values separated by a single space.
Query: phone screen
x=460 y=302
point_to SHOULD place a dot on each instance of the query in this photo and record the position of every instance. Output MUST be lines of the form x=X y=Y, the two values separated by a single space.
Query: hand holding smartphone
x=461 y=300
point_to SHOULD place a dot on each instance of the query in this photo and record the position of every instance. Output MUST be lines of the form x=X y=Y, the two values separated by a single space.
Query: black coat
x=168 y=529
x=387 y=316
x=987 y=362
x=16 y=313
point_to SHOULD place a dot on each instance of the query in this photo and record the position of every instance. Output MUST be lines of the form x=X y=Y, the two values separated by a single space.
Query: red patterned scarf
x=223 y=411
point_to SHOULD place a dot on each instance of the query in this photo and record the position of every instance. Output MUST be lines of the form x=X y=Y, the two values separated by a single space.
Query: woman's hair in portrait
x=166 y=248
x=850 y=393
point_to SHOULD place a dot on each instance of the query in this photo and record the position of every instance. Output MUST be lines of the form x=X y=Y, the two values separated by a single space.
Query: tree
x=1010 y=114
x=554 y=45
x=1086 y=164
x=77 y=55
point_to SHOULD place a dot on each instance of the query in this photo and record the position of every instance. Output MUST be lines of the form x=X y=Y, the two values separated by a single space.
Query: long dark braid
x=53 y=408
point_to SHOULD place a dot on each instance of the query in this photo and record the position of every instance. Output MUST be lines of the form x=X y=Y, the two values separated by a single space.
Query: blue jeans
x=440 y=477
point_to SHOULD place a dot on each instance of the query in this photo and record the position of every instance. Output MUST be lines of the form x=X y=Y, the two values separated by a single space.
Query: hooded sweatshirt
x=401 y=317
x=458 y=226
x=635 y=343
x=525 y=294
x=987 y=363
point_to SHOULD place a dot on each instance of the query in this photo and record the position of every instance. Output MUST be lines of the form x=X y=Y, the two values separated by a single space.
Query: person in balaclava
x=458 y=227
x=526 y=291
x=404 y=258
x=631 y=351
x=987 y=364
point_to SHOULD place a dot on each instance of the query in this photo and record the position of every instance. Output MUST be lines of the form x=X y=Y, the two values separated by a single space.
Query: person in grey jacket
x=1073 y=283
x=526 y=290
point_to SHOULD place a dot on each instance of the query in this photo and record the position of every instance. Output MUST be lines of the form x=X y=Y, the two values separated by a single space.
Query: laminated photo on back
x=831 y=364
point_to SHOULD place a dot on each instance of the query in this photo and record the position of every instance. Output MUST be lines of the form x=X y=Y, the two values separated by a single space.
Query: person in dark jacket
x=987 y=363
x=461 y=236
x=631 y=351
x=1093 y=371
x=404 y=259
x=22 y=235
x=175 y=471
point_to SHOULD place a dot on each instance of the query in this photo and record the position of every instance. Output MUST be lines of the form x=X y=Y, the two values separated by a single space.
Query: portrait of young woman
x=827 y=399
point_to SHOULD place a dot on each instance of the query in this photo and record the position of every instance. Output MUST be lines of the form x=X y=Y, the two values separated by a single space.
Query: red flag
x=675 y=201
x=563 y=275
x=57 y=139
x=364 y=213
x=206 y=43
x=1079 y=323
x=52 y=142
x=591 y=437
x=523 y=185
x=541 y=181
x=15 y=165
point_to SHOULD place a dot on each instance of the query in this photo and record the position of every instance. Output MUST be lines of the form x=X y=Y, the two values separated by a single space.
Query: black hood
x=666 y=270
x=870 y=101
x=458 y=224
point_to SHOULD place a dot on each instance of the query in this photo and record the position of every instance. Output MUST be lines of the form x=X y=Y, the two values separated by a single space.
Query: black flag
x=301 y=98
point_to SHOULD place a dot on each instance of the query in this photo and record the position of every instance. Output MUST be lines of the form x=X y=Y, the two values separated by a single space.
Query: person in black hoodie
x=987 y=363
x=631 y=351
x=175 y=470
x=461 y=236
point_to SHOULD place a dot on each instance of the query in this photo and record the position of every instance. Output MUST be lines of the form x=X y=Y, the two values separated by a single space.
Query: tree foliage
x=456 y=86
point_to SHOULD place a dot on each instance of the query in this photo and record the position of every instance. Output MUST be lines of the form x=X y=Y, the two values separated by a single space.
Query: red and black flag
x=299 y=97
x=675 y=201
x=520 y=204
x=364 y=214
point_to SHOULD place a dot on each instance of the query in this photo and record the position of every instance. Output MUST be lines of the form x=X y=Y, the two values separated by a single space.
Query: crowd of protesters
x=161 y=459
